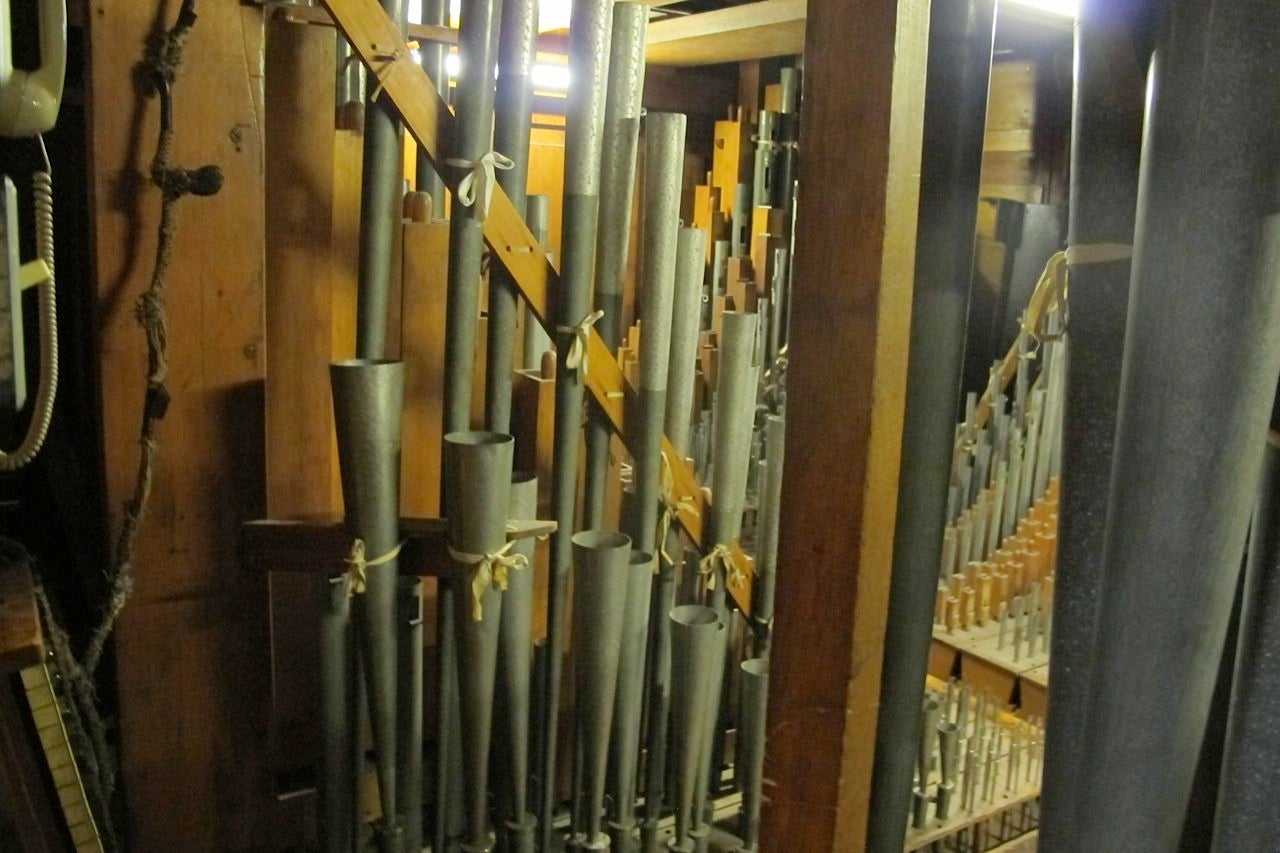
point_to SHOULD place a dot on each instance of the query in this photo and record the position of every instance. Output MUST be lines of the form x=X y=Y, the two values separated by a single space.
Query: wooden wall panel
x=191 y=648
x=850 y=317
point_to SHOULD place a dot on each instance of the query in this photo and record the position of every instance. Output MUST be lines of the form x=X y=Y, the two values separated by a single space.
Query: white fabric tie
x=476 y=187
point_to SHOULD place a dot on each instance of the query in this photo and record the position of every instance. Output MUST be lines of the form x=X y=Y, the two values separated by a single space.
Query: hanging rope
x=161 y=65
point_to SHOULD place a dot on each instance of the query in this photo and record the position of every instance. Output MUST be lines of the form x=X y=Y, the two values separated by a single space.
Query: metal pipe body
x=766 y=158
x=409 y=714
x=473 y=129
x=380 y=212
x=433 y=53
x=624 y=745
x=749 y=759
x=1245 y=818
x=697 y=655
x=477 y=472
x=961 y=37
x=537 y=213
x=1199 y=361
x=735 y=405
x=663 y=166
x=788 y=145
x=368 y=398
x=515 y=650
x=600 y=586
x=513 y=119
x=686 y=312
x=1106 y=137
x=620 y=142
x=588 y=56
x=767 y=535
x=337 y=777
x=740 y=222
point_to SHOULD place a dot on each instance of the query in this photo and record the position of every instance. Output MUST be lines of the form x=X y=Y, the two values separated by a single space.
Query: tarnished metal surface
x=1245 y=818
x=477 y=472
x=515 y=673
x=1106 y=137
x=380 y=210
x=767 y=533
x=409 y=714
x=601 y=560
x=749 y=759
x=617 y=185
x=960 y=44
x=588 y=56
x=337 y=796
x=513 y=118
x=696 y=658
x=368 y=398
x=1195 y=396
x=624 y=745
x=686 y=314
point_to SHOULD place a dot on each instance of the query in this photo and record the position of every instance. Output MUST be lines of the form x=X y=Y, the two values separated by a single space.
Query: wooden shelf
x=750 y=31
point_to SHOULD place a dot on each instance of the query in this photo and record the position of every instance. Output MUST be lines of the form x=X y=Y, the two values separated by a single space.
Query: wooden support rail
x=317 y=545
x=379 y=44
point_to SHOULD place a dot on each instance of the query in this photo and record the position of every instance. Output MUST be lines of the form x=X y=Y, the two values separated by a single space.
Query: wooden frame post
x=850 y=316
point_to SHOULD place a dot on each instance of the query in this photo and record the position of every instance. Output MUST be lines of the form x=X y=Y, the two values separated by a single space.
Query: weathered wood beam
x=750 y=31
x=377 y=40
x=850 y=317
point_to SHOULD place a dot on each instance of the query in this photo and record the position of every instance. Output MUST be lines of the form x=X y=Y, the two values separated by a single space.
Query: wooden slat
x=851 y=309
x=376 y=39
x=733 y=34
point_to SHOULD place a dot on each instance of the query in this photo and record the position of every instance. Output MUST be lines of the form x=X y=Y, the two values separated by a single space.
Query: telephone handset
x=29 y=100
x=29 y=103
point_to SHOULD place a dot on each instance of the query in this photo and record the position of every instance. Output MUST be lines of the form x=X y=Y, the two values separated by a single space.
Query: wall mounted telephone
x=29 y=104
x=29 y=99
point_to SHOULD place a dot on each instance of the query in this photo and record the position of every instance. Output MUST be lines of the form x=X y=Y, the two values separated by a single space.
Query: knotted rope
x=672 y=506
x=487 y=570
x=576 y=358
x=357 y=579
x=722 y=555
x=480 y=180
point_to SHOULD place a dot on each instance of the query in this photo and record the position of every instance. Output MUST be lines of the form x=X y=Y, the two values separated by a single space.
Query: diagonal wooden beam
x=379 y=44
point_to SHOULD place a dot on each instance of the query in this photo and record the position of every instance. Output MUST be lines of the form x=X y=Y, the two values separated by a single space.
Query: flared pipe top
x=477 y=470
x=368 y=398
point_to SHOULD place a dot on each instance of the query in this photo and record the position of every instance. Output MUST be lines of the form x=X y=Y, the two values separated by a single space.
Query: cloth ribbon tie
x=479 y=182
x=1052 y=289
x=722 y=555
x=488 y=570
x=357 y=578
x=581 y=331
x=671 y=508
x=388 y=64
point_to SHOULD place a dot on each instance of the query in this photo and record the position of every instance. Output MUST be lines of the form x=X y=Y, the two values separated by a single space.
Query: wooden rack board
x=973 y=656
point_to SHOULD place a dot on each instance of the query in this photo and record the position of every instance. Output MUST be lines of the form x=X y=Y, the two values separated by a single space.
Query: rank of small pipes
x=978 y=767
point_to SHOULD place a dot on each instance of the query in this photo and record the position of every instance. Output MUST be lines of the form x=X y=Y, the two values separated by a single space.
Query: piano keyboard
x=45 y=711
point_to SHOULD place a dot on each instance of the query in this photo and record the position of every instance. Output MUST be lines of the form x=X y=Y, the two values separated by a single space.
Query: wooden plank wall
x=192 y=646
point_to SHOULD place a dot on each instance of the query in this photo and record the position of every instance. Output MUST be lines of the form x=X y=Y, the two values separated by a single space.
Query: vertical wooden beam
x=192 y=645
x=847 y=378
